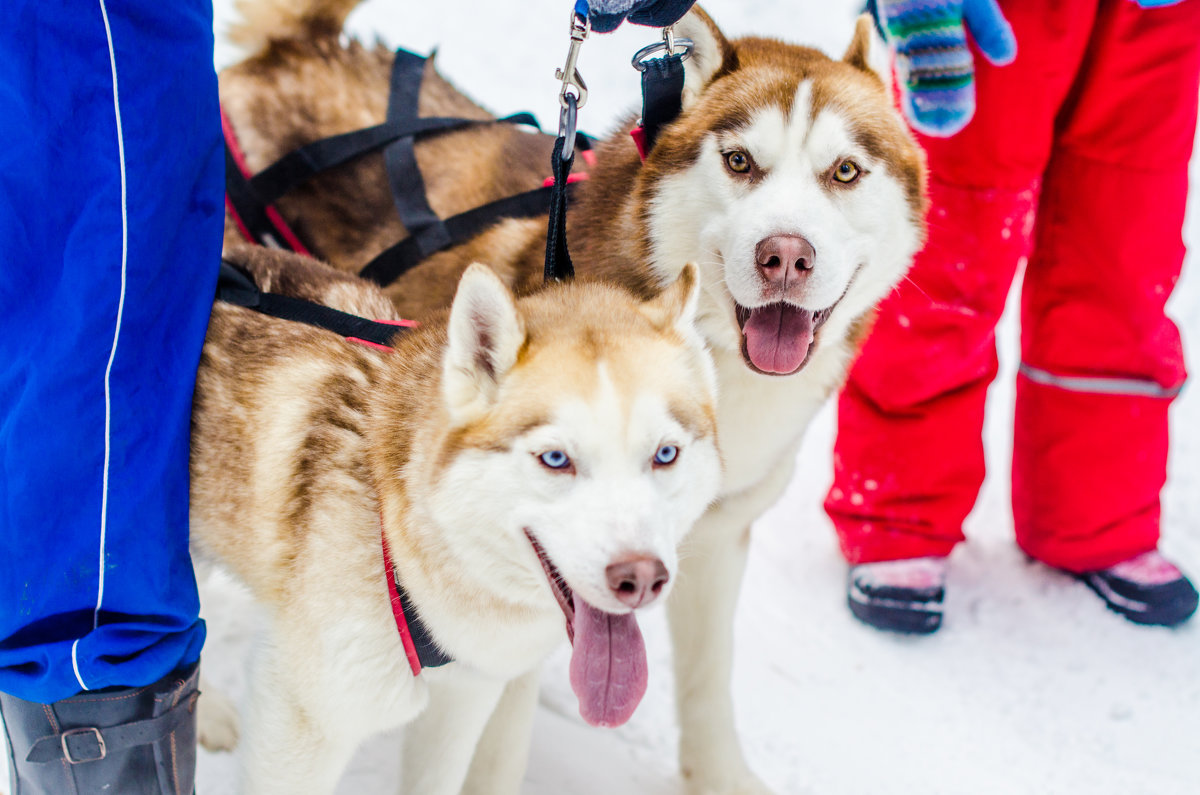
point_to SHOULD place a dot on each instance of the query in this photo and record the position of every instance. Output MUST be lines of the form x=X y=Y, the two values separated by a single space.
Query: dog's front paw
x=216 y=721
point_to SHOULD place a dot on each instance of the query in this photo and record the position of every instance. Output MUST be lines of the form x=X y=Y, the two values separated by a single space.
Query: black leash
x=662 y=85
x=571 y=97
x=662 y=102
x=558 y=259
x=662 y=93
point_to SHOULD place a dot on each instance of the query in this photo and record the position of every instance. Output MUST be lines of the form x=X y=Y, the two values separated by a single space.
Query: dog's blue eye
x=555 y=459
x=666 y=455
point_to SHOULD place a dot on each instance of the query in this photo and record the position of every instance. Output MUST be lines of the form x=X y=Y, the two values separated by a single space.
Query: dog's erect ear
x=485 y=335
x=676 y=304
x=712 y=53
x=867 y=52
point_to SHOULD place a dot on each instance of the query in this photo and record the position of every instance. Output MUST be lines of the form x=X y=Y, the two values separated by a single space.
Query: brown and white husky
x=789 y=178
x=522 y=460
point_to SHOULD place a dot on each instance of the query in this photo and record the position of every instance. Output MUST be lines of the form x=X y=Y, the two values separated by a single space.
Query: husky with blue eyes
x=425 y=524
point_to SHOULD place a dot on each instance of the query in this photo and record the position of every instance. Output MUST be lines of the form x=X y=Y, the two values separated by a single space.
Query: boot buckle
x=77 y=732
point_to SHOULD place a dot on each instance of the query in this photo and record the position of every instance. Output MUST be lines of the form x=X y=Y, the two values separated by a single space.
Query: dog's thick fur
x=777 y=144
x=306 y=445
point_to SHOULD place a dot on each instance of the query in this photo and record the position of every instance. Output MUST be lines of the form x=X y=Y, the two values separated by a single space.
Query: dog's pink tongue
x=778 y=337
x=608 y=665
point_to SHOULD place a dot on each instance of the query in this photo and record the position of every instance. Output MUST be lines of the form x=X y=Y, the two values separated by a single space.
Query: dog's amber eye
x=738 y=162
x=847 y=172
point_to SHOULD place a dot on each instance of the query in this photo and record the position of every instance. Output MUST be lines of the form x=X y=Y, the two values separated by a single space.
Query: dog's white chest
x=761 y=419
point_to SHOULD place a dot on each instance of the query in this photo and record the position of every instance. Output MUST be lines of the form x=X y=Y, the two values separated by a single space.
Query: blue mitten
x=933 y=63
x=1157 y=3
x=606 y=15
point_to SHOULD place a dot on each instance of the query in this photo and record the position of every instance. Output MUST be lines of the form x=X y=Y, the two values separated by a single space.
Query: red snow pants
x=1075 y=166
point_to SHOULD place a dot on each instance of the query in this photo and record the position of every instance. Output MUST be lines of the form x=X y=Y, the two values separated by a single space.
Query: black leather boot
x=121 y=740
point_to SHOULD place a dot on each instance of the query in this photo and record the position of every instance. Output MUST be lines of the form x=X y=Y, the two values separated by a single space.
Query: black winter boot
x=1146 y=589
x=121 y=740
x=899 y=595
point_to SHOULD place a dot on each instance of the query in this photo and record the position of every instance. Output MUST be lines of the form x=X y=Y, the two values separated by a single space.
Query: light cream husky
x=789 y=178
x=522 y=459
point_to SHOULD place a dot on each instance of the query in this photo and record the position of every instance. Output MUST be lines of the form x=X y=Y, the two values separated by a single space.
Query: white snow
x=1031 y=687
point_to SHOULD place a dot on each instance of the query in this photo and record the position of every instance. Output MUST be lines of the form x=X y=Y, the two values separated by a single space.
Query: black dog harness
x=250 y=198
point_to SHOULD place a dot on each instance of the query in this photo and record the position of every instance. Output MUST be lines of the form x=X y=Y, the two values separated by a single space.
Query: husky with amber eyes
x=522 y=461
x=794 y=183
x=789 y=178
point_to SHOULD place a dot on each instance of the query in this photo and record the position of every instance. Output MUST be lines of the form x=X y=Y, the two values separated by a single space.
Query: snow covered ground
x=1031 y=687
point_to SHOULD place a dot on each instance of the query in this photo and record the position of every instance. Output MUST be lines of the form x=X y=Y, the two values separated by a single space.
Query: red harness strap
x=410 y=648
x=380 y=346
x=289 y=238
x=638 y=134
x=396 y=597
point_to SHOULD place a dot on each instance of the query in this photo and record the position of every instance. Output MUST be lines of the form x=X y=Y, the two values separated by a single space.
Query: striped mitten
x=934 y=66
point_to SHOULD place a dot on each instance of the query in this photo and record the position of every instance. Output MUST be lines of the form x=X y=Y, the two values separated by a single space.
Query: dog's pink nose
x=781 y=258
x=637 y=580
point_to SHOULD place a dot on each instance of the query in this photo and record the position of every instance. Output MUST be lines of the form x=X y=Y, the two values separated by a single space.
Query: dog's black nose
x=637 y=580
x=783 y=258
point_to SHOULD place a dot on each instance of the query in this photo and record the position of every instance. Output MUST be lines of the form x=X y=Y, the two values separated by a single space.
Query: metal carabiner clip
x=669 y=44
x=573 y=94
x=567 y=120
x=572 y=81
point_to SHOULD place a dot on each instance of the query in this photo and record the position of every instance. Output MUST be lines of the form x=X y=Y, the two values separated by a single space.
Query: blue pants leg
x=110 y=234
